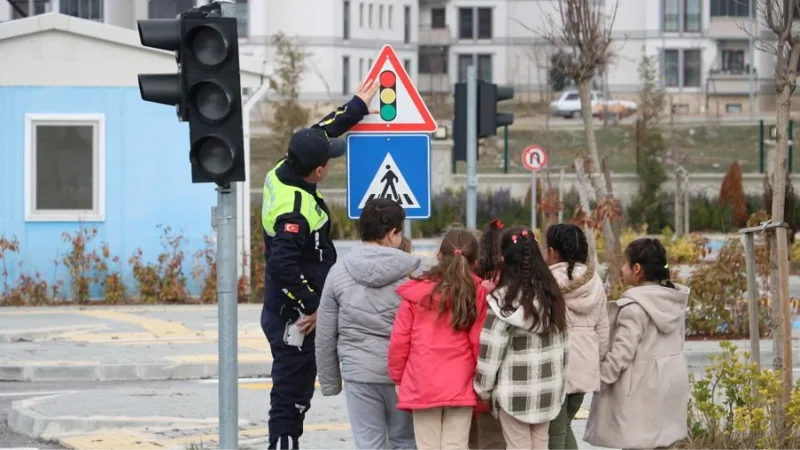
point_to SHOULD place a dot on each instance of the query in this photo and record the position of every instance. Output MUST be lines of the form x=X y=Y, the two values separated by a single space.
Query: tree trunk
x=583 y=195
x=585 y=92
x=780 y=298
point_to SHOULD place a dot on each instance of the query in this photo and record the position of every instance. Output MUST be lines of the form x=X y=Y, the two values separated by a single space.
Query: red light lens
x=387 y=79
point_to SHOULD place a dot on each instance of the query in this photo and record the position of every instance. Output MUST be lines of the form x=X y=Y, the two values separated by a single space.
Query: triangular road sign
x=401 y=107
x=390 y=183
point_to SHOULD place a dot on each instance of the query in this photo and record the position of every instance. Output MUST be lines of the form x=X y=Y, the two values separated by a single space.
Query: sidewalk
x=151 y=343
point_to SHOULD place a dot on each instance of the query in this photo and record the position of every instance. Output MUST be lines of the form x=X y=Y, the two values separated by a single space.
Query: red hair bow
x=496 y=223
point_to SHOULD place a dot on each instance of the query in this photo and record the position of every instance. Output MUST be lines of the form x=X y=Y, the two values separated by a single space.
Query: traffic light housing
x=489 y=120
x=388 y=95
x=206 y=89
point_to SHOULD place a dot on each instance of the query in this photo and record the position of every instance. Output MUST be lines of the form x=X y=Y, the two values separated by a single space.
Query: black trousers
x=294 y=371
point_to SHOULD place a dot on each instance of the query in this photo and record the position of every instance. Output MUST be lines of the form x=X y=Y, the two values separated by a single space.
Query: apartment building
x=123 y=13
x=703 y=50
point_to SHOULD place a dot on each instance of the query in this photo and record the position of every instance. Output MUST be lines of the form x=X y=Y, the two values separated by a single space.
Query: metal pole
x=687 y=205
x=472 y=147
x=227 y=303
x=31 y=9
x=752 y=295
x=533 y=200
x=407 y=228
x=505 y=149
x=561 y=197
x=752 y=63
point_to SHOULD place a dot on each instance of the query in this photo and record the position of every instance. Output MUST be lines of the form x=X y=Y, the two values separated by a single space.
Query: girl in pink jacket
x=587 y=313
x=433 y=349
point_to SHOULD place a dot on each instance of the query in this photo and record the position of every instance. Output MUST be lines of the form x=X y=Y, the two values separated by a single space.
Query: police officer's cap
x=311 y=147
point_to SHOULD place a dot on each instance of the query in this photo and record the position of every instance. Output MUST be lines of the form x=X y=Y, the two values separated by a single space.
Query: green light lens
x=388 y=112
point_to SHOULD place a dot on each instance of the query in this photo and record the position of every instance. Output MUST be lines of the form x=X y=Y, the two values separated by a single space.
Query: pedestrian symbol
x=389 y=183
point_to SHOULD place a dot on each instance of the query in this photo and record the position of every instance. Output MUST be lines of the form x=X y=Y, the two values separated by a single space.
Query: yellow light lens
x=388 y=96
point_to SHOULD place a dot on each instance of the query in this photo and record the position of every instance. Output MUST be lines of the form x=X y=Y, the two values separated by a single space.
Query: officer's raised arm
x=348 y=115
x=283 y=265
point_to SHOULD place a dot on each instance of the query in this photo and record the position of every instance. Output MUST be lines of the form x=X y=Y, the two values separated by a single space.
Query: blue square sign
x=396 y=166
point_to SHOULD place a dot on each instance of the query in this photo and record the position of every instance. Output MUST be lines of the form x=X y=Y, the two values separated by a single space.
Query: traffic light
x=166 y=89
x=206 y=89
x=489 y=120
x=388 y=95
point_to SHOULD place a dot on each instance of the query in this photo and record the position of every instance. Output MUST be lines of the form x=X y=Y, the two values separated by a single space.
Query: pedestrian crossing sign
x=394 y=166
x=400 y=107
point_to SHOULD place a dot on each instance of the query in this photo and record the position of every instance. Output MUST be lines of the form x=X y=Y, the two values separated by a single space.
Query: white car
x=568 y=105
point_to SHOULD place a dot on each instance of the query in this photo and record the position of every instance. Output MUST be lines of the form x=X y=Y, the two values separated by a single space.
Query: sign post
x=389 y=153
x=534 y=158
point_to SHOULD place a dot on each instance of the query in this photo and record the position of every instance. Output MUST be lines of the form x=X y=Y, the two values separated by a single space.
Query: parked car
x=568 y=105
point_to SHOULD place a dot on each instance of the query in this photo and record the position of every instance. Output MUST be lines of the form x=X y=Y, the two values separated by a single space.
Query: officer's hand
x=308 y=323
x=367 y=92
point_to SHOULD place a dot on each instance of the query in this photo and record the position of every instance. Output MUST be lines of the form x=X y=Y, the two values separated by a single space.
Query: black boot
x=283 y=442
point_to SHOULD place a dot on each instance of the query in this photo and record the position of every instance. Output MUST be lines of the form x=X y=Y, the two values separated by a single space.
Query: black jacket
x=298 y=261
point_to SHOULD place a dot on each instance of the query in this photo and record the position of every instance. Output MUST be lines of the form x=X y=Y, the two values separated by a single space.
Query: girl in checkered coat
x=524 y=346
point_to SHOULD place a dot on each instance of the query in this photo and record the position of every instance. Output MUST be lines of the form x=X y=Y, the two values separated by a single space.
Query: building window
x=692 y=16
x=432 y=60
x=733 y=61
x=369 y=64
x=485 y=67
x=465 y=23
x=438 y=18
x=169 y=9
x=407 y=66
x=389 y=17
x=683 y=68
x=64 y=167
x=692 y=66
x=380 y=16
x=361 y=15
x=484 y=23
x=406 y=24
x=346 y=20
x=84 y=9
x=345 y=75
x=242 y=17
x=730 y=8
x=360 y=68
x=464 y=61
x=671 y=15
x=369 y=16
x=19 y=8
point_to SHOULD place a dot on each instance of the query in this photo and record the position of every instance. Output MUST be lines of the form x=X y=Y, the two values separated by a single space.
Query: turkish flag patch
x=291 y=228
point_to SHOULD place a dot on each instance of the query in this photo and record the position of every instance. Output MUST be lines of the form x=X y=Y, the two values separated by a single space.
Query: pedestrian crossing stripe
x=389 y=182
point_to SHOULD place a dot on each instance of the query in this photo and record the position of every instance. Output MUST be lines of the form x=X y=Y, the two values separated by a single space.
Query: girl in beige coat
x=587 y=312
x=642 y=403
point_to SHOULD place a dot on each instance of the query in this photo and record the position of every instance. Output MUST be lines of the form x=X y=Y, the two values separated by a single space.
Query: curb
x=24 y=420
x=127 y=372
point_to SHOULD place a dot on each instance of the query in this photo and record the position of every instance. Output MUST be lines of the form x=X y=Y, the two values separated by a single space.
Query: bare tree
x=584 y=30
x=778 y=16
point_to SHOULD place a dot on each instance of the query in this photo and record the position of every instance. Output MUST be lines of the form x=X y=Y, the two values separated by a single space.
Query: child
x=522 y=366
x=485 y=431
x=587 y=313
x=434 y=344
x=645 y=378
x=354 y=323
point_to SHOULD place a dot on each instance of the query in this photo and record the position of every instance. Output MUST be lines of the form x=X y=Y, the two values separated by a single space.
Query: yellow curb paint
x=253 y=433
x=243 y=357
x=160 y=328
x=582 y=414
x=111 y=441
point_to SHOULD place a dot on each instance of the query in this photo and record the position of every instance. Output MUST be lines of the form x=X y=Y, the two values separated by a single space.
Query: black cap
x=312 y=148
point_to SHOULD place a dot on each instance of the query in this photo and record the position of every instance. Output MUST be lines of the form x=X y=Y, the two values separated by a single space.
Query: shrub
x=79 y=262
x=163 y=281
x=731 y=193
x=449 y=207
x=717 y=306
x=734 y=405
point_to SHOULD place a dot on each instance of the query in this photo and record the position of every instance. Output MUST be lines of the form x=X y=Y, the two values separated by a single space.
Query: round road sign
x=534 y=158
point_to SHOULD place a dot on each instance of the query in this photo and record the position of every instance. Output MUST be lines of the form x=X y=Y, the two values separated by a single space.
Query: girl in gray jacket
x=354 y=324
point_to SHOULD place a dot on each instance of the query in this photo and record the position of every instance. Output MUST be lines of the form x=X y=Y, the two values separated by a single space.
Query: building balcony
x=727 y=83
x=434 y=36
x=728 y=28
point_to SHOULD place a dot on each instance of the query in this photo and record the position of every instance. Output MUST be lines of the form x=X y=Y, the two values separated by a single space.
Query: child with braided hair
x=587 y=316
x=522 y=365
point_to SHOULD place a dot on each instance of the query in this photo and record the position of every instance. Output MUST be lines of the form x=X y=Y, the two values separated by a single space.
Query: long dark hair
x=570 y=243
x=651 y=255
x=526 y=278
x=491 y=258
x=455 y=286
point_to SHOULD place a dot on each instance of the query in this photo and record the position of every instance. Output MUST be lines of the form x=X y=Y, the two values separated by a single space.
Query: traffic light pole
x=472 y=146
x=227 y=303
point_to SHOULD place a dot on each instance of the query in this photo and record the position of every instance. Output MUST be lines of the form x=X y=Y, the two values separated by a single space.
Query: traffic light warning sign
x=401 y=109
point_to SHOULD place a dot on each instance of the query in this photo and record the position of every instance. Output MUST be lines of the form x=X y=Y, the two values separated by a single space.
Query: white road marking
x=30 y=394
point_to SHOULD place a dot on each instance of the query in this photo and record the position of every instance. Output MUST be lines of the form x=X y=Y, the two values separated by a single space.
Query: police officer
x=299 y=253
